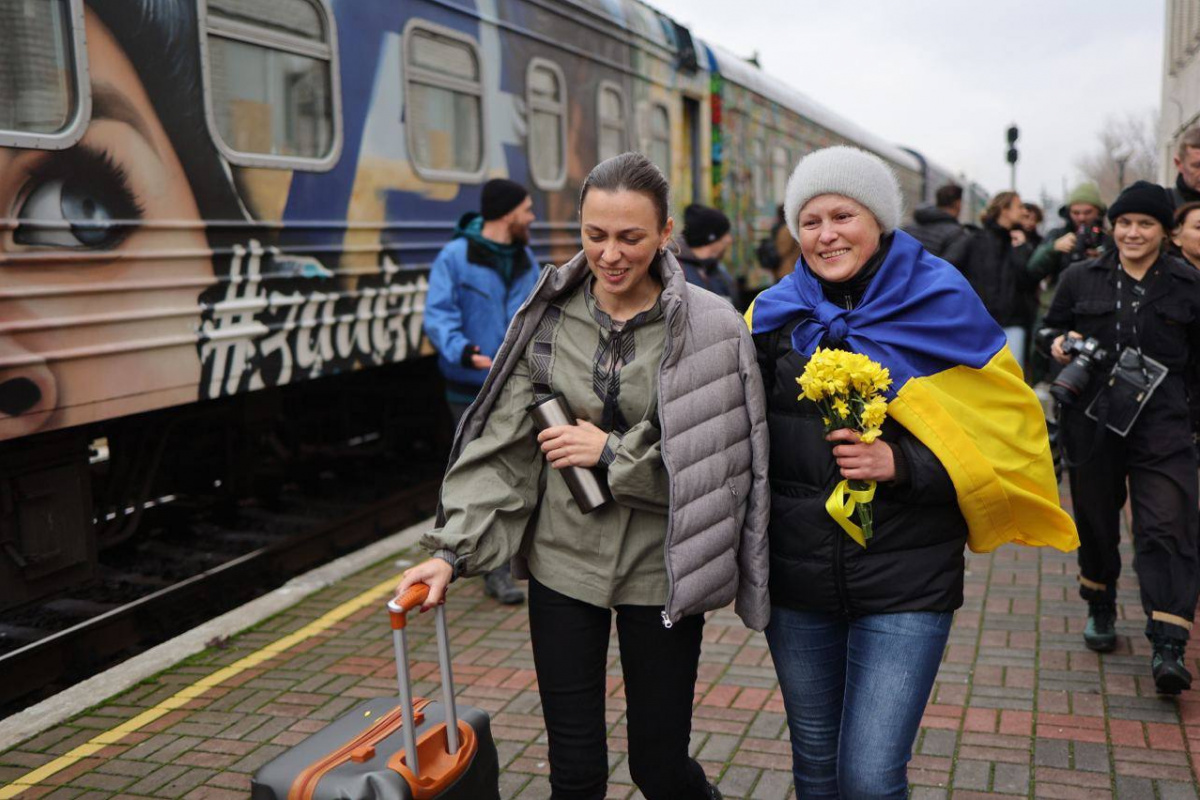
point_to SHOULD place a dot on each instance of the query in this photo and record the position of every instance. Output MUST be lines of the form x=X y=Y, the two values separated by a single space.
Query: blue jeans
x=854 y=691
x=1016 y=343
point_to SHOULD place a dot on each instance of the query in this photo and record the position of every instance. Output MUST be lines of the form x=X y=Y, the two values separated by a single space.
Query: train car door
x=692 y=189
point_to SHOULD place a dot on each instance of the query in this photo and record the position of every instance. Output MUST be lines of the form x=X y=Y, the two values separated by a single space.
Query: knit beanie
x=850 y=172
x=703 y=225
x=1146 y=198
x=499 y=197
x=1088 y=193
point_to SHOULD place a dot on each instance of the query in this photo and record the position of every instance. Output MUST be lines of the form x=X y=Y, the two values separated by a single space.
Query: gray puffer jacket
x=712 y=414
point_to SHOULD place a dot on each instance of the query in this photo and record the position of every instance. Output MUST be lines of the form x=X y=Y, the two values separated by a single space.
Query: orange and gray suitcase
x=387 y=751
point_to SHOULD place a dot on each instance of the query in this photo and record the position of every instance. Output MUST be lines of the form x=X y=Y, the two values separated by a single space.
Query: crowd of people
x=719 y=478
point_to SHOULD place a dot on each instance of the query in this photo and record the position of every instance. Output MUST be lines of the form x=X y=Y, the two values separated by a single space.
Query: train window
x=547 y=101
x=758 y=182
x=44 y=98
x=660 y=138
x=272 y=95
x=781 y=162
x=610 y=110
x=445 y=103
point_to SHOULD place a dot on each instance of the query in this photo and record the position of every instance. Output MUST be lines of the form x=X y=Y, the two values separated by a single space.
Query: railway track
x=37 y=662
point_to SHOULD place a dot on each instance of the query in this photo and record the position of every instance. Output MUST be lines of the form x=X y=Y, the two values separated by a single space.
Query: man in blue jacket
x=476 y=285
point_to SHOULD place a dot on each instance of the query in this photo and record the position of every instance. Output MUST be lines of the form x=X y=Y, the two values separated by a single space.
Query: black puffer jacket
x=998 y=273
x=915 y=560
x=935 y=229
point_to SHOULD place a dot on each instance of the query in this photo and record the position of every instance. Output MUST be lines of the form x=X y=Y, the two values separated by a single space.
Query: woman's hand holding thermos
x=573 y=446
x=578 y=445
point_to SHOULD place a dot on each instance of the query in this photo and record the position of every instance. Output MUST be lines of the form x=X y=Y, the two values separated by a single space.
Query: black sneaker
x=1170 y=675
x=1100 y=634
x=499 y=584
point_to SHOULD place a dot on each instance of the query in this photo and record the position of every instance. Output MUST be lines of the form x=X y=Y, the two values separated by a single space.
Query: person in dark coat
x=1081 y=237
x=995 y=259
x=858 y=627
x=1186 y=237
x=1031 y=221
x=1187 y=167
x=1140 y=302
x=937 y=227
x=706 y=240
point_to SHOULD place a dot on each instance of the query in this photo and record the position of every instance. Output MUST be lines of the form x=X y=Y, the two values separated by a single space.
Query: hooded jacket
x=714 y=442
x=935 y=229
x=475 y=287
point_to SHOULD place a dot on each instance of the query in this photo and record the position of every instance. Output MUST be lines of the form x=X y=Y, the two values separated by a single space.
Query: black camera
x=1075 y=376
x=1088 y=237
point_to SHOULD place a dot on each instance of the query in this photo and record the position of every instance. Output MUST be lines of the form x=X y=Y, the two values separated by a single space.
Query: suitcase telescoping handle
x=398 y=608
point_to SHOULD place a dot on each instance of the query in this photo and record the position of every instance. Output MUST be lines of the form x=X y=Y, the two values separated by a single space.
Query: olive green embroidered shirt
x=615 y=555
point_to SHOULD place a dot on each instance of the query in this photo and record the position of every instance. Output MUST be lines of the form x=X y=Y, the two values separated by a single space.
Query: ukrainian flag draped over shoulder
x=956 y=387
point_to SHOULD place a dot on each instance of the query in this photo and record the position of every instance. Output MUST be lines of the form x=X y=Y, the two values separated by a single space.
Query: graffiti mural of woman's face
x=75 y=334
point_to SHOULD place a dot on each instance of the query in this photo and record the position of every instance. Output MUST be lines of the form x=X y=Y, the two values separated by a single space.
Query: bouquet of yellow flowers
x=848 y=389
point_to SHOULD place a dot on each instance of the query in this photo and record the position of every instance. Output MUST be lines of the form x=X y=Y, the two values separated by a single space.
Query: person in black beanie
x=1140 y=304
x=500 y=197
x=705 y=241
x=476 y=285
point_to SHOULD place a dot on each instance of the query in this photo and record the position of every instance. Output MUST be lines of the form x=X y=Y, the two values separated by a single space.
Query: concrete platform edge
x=70 y=702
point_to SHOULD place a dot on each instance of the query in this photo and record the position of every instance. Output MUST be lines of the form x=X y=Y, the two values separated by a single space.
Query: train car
x=220 y=214
x=933 y=175
x=761 y=128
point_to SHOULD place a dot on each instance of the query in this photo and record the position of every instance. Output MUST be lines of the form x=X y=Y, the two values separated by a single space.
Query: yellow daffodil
x=874 y=412
x=848 y=389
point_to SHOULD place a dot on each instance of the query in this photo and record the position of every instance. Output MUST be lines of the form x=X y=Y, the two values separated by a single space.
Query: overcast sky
x=946 y=77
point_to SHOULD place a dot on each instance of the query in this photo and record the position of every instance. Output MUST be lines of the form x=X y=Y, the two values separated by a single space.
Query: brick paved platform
x=1020 y=707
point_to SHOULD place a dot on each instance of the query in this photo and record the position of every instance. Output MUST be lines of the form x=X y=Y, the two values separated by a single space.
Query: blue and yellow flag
x=956 y=387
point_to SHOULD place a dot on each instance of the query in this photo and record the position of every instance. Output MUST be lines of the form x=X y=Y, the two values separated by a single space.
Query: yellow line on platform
x=183 y=696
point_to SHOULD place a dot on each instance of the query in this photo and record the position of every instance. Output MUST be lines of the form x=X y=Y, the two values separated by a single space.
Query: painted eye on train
x=81 y=200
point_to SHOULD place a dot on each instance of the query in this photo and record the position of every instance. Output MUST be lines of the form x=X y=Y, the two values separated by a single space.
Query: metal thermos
x=589 y=489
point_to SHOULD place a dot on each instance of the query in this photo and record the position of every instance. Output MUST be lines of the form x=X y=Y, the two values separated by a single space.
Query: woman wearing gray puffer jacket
x=663 y=378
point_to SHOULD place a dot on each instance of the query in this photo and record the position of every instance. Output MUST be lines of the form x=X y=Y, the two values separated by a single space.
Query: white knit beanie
x=850 y=172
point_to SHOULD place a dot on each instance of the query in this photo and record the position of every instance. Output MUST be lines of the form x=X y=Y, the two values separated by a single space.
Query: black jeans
x=570 y=653
x=1157 y=460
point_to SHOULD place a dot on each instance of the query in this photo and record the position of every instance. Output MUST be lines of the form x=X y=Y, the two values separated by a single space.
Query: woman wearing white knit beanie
x=858 y=625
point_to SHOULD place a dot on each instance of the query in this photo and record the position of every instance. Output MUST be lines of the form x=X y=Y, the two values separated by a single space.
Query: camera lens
x=1073 y=379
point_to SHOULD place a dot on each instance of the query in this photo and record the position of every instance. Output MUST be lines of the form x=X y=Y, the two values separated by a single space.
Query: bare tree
x=1132 y=139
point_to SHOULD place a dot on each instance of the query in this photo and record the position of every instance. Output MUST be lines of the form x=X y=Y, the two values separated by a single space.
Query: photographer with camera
x=1127 y=327
x=1080 y=238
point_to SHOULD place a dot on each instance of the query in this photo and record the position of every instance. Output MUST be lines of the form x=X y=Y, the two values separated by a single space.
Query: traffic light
x=1012 y=134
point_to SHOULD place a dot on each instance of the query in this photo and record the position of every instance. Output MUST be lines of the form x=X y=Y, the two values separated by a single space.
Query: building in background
x=1180 y=108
